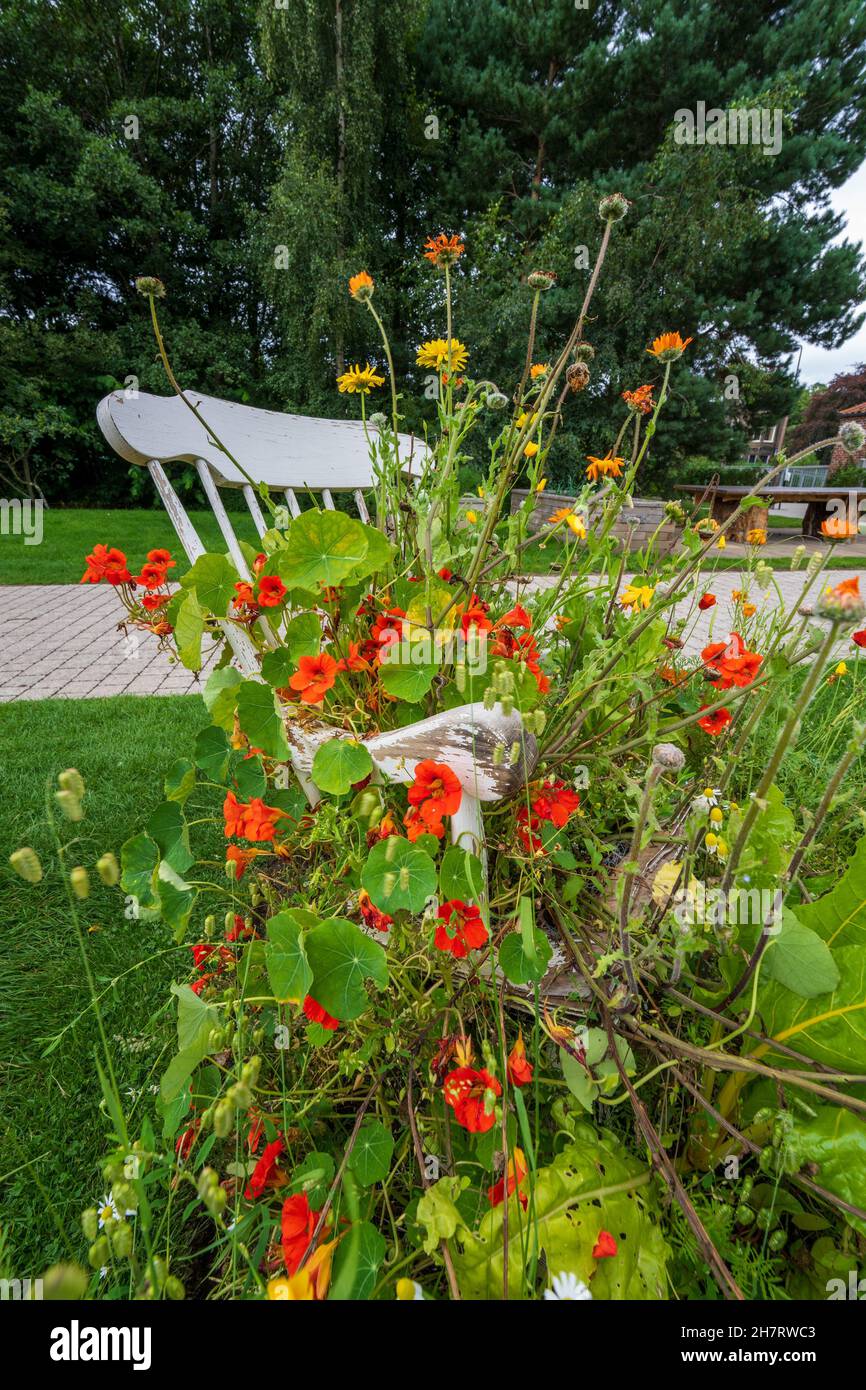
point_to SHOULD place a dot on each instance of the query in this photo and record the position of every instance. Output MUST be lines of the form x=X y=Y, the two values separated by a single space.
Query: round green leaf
x=323 y=548
x=399 y=875
x=518 y=965
x=286 y=957
x=370 y=1158
x=461 y=875
x=339 y=764
x=342 y=957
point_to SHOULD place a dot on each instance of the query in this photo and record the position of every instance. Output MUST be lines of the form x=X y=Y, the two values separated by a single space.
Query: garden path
x=62 y=640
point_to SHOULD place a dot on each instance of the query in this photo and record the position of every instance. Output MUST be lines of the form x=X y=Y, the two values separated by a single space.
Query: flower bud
x=80 y=881
x=541 y=279
x=669 y=756
x=378 y=420
x=72 y=781
x=613 y=207
x=495 y=400
x=26 y=864
x=70 y=805
x=150 y=285
x=108 y=869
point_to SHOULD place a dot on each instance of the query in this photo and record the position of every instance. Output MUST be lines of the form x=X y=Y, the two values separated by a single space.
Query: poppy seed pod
x=577 y=376
x=26 y=864
x=541 y=279
x=613 y=207
x=669 y=756
x=852 y=437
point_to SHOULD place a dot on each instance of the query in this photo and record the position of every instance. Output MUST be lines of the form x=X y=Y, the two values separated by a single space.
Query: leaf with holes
x=321 y=548
x=339 y=764
x=342 y=958
x=399 y=875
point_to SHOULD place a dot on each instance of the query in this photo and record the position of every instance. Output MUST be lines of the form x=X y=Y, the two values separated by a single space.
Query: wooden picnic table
x=724 y=499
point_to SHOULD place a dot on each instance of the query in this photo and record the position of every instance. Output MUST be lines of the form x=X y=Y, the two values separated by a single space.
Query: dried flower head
x=577 y=376
x=613 y=207
x=541 y=279
x=150 y=287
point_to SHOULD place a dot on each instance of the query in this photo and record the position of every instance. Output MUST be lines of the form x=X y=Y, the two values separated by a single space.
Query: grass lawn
x=53 y=1134
x=69 y=535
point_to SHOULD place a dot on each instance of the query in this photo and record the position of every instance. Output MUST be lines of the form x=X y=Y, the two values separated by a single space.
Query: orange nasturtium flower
x=443 y=250
x=108 y=564
x=518 y=1065
x=460 y=929
x=314 y=677
x=472 y=1093
x=359 y=379
x=573 y=521
x=361 y=286
x=436 y=788
x=605 y=468
x=272 y=591
x=517 y=1171
x=668 y=346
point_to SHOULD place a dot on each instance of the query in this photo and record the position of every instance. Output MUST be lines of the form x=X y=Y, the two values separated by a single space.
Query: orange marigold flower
x=757 y=536
x=668 y=346
x=461 y=929
x=314 y=677
x=517 y=1171
x=272 y=591
x=316 y=1014
x=436 y=786
x=361 y=286
x=572 y=519
x=714 y=723
x=472 y=1093
x=605 y=468
x=443 y=250
x=539 y=369
x=518 y=1065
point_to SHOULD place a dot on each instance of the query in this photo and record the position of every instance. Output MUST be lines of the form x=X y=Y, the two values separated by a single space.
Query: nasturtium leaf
x=800 y=960
x=461 y=876
x=288 y=968
x=370 y=1159
x=378 y=555
x=260 y=719
x=577 y=1079
x=356 y=1262
x=322 y=548
x=520 y=966
x=212 y=753
x=189 y=630
x=399 y=875
x=179 y=780
x=339 y=764
x=168 y=827
x=303 y=637
x=342 y=958
x=840 y=915
x=195 y=1022
x=314 y=1176
x=176 y=899
x=407 y=681
x=221 y=695
x=248 y=776
x=139 y=860
x=213 y=579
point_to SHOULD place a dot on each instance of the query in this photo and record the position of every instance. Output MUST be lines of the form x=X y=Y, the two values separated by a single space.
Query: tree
x=821 y=419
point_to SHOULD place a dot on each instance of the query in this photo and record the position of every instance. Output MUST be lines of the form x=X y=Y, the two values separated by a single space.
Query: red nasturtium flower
x=460 y=929
x=714 y=723
x=516 y=617
x=422 y=821
x=314 y=677
x=253 y=822
x=859 y=637
x=731 y=662
x=555 y=802
x=605 y=1246
x=272 y=591
x=265 y=1174
x=108 y=564
x=153 y=602
x=708 y=601
x=517 y=1171
x=475 y=616
x=371 y=914
x=316 y=1014
x=518 y=1064
x=241 y=857
x=436 y=788
x=297 y=1225
x=161 y=557
x=152 y=576
x=466 y=1090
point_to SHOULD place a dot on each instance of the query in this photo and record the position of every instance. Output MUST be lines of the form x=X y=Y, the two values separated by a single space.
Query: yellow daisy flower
x=435 y=354
x=360 y=379
x=635 y=596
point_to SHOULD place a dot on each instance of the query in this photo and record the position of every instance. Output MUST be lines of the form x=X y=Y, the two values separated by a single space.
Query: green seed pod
x=65 y=1283
x=121 y=1239
x=240 y=1096
x=215 y=1040
x=209 y=926
x=250 y=1070
x=174 y=1289
x=124 y=1196
x=498 y=755
x=72 y=781
x=229 y=921
x=108 y=869
x=26 y=864
x=98 y=1254
x=765 y=1219
x=777 y=1240
x=389 y=883
x=540 y=721
x=460 y=678
x=258 y=1038
x=489 y=697
x=507 y=703
x=69 y=805
x=404 y=879
x=613 y=207
x=513 y=754
x=158 y=1271
x=90 y=1223
x=231 y=868
x=80 y=880
x=223 y=1118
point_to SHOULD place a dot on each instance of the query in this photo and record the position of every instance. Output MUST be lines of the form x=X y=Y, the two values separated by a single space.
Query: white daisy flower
x=567 y=1288
x=408 y=1291
x=107 y=1209
x=708 y=799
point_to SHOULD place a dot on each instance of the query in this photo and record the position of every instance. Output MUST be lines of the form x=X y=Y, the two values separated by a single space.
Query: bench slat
x=222 y=516
x=255 y=510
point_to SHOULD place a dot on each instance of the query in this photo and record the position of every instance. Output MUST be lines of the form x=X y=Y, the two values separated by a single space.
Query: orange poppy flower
x=731 y=662
x=708 y=601
x=468 y=1091
x=461 y=929
x=859 y=637
x=314 y=677
x=518 y=1065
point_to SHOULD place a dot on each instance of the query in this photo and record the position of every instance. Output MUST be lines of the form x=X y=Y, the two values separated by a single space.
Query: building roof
x=854 y=409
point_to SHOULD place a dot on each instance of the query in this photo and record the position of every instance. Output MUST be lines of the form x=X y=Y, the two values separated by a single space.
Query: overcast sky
x=818 y=363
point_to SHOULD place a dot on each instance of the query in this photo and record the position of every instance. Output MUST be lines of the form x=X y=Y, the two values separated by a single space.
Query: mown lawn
x=69 y=535
x=53 y=1134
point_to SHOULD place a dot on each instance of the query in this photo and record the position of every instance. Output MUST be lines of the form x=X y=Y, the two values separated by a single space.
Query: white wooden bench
x=291 y=454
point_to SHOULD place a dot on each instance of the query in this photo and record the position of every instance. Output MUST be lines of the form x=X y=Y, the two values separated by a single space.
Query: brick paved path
x=62 y=640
